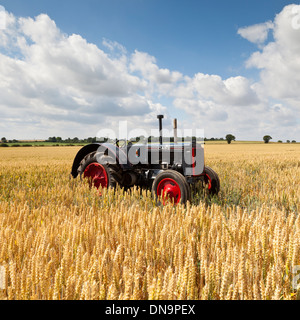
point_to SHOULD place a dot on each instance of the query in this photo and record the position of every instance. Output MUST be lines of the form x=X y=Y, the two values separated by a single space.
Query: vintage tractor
x=170 y=170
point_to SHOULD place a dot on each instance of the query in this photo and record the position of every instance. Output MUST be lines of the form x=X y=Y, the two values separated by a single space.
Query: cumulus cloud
x=257 y=33
x=216 y=105
x=52 y=83
x=49 y=75
x=146 y=65
x=279 y=63
x=279 y=60
x=271 y=104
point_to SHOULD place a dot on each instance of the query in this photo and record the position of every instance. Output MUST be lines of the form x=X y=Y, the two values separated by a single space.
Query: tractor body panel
x=187 y=156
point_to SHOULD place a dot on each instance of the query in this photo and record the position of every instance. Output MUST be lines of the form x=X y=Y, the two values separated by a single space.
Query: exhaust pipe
x=160 y=117
x=175 y=130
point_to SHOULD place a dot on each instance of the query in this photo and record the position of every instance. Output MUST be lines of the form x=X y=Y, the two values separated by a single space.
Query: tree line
x=229 y=138
x=266 y=139
x=71 y=140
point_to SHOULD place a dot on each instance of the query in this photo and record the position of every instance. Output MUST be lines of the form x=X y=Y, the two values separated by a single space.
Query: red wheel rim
x=97 y=174
x=208 y=181
x=169 y=190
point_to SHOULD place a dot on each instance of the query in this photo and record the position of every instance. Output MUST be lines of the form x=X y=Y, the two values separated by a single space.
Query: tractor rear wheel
x=100 y=170
x=212 y=181
x=171 y=185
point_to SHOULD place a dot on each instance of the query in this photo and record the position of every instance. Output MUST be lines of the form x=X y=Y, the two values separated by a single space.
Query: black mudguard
x=119 y=155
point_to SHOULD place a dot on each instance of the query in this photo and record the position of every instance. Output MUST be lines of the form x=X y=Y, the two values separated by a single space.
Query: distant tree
x=3 y=140
x=58 y=139
x=293 y=141
x=51 y=139
x=267 y=138
x=288 y=141
x=229 y=138
x=75 y=140
x=279 y=141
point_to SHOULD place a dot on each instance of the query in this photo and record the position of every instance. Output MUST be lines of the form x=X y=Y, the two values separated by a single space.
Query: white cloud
x=49 y=75
x=114 y=46
x=279 y=62
x=145 y=64
x=57 y=84
x=257 y=33
x=271 y=105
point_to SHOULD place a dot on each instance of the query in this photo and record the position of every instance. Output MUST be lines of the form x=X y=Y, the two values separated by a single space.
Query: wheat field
x=60 y=240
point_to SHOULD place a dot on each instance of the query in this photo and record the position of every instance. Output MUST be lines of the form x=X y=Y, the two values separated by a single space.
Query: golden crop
x=60 y=240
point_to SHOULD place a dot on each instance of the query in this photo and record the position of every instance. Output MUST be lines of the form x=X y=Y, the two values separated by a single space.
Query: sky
x=78 y=68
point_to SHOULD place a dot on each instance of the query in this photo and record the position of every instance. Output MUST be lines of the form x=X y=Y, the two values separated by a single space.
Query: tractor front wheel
x=170 y=186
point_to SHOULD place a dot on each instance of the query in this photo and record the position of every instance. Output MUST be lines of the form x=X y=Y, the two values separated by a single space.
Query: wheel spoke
x=208 y=181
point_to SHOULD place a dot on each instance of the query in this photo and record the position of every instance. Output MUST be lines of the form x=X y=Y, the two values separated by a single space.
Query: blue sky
x=200 y=46
x=188 y=36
